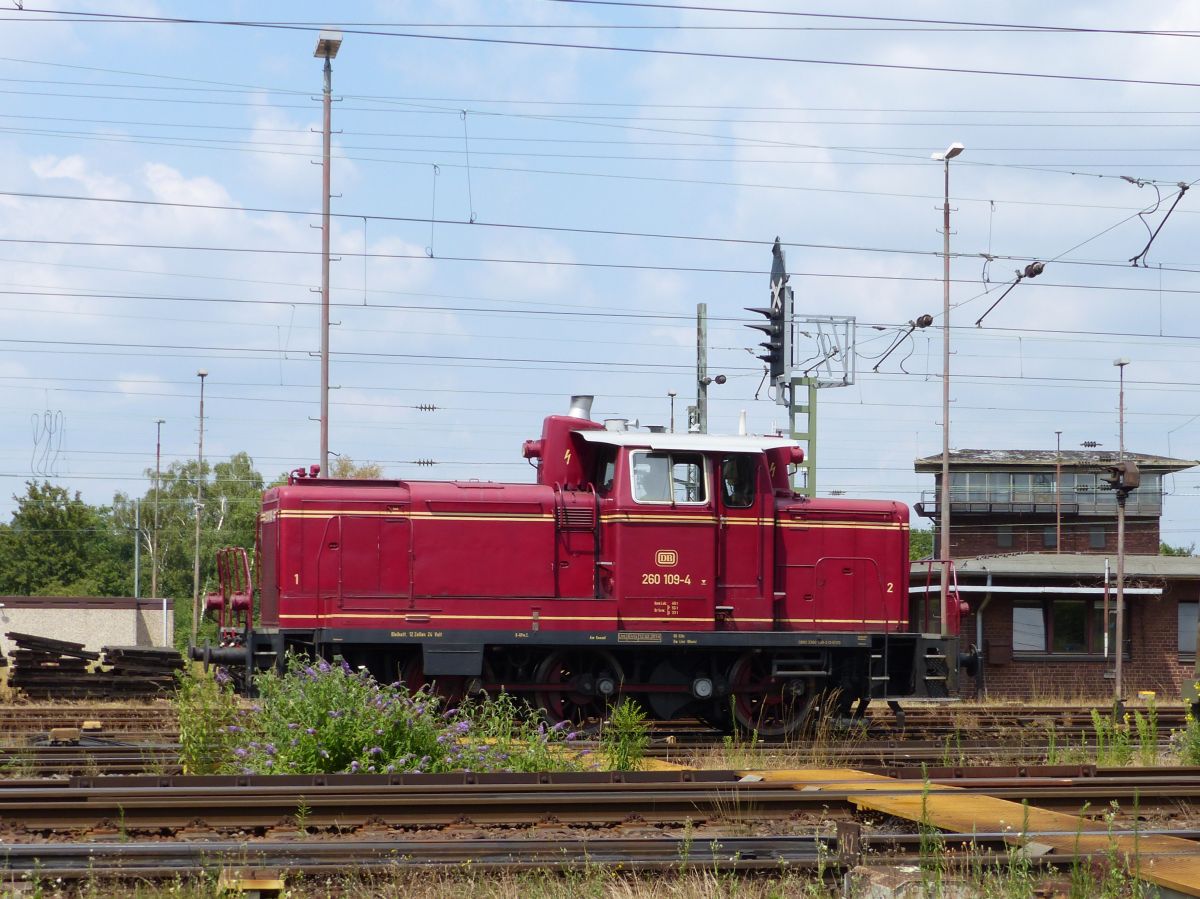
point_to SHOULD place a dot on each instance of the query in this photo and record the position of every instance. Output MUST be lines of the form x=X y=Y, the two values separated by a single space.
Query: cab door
x=745 y=544
x=663 y=531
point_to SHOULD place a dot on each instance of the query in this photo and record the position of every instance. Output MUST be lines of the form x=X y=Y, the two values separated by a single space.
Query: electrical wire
x=649 y=51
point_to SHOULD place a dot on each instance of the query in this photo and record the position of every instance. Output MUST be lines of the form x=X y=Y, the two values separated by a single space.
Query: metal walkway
x=1169 y=862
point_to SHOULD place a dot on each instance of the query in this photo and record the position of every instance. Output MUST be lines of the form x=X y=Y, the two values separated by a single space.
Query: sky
x=530 y=200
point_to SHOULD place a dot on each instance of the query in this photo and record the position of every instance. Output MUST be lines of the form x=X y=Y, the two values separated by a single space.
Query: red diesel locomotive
x=681 y=569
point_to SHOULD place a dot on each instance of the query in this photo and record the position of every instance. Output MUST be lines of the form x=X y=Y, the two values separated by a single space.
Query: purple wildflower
x=324 y=753
x=310 y=730
x=354 y=766
x=572 y=736
x=240 y=753
x=336 y=713
x=462 y=727
x=375 y=750
x=292 y=725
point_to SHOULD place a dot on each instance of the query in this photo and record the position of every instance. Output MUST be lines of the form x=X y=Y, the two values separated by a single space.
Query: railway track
x=185 y=807
x=113 y=757
x=826 y=853
x=170 y=828
x=921 y=721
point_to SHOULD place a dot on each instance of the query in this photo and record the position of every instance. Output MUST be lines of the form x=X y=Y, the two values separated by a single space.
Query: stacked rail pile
x=44 y=668
x=138 y=670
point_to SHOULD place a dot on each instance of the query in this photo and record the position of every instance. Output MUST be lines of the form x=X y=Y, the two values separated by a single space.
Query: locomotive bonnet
x=680 y=569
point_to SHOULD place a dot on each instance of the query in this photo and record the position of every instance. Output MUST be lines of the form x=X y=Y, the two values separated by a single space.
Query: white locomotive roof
x=715 y=443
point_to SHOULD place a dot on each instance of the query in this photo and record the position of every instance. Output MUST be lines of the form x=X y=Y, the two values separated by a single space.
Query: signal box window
x=668 y=478
x=1187 y=628
x=737 y=482
x=1060 y=627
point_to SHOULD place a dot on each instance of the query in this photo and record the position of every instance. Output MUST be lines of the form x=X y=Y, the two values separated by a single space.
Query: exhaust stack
x=581 y=406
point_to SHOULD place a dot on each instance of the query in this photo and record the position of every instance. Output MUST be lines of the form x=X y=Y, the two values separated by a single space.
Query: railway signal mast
x=830 y=364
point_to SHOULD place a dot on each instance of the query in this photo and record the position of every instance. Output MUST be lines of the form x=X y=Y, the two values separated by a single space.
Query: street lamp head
x=328 y=43
x=949 y=153
x=1121 y=363
x=202 y=374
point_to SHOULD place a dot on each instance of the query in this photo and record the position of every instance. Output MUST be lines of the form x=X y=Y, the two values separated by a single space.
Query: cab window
x=668 y=478
x=606 y=468
x=737 y=481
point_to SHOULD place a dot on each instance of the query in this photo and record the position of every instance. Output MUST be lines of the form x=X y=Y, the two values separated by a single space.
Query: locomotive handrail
x=952 y=593
x=233 y=600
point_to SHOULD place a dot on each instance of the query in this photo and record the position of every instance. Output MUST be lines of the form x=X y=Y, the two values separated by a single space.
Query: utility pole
x=1118 y=687
x=157 y=486
x=327 y=46
x=202 y=374
x=671 y=394
x=702 y=366
x=137 y=549
x=1058 y=491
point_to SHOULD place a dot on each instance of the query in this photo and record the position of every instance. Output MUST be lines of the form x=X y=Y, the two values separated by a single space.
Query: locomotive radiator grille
x=577 y=518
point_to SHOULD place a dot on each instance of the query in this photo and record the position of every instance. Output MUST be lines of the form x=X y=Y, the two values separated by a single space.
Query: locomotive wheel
x=765 y=704
x=448 y=687
x=573 y=684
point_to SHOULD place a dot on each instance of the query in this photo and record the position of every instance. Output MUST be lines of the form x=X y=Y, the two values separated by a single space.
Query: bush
x=624 y=737
x=208 y=713
x=318 y=718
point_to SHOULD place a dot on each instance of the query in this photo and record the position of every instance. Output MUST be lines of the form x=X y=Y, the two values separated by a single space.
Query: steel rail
x=265 y=804
x=163 y=860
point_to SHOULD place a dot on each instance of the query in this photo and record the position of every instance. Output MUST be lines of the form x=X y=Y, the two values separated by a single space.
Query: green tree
x=1166 y=549
x=231 y=499
x=345 y=467
x=920 y=545
x=56 y=544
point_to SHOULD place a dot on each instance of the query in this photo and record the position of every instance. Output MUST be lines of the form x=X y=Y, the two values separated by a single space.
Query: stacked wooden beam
x=140 y=669
x=42 y=667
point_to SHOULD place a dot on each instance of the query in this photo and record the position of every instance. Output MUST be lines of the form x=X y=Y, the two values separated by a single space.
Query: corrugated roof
x=1046 y=459
x=1071 y=565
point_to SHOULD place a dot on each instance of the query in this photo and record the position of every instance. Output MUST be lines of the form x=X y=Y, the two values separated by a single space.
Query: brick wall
x=1153 y=662
x=979 y=535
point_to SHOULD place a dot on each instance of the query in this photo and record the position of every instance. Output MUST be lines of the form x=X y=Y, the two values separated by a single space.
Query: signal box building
x=1033 y=535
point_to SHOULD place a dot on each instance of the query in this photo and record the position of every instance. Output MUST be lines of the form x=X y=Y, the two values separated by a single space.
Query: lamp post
x=328 y=43
x=1118 y=690
x=671 y=394
x=202 y=374
x=944 y=503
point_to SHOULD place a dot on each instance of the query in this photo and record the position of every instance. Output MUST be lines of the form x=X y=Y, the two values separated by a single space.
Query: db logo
x=666 y=558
